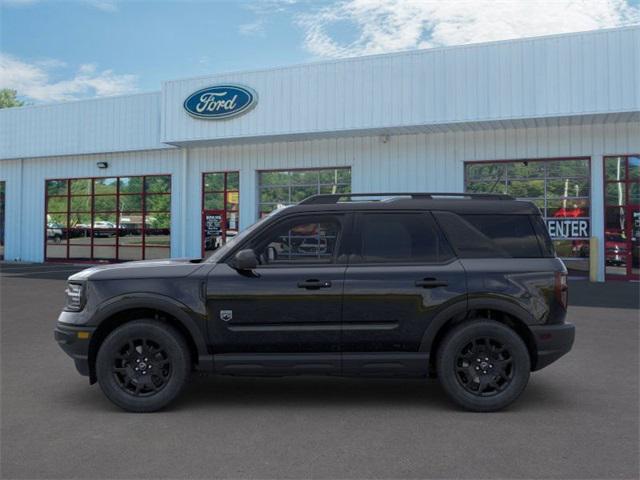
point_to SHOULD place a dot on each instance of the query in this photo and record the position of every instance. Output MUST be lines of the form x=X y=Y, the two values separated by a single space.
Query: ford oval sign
x=220 y=101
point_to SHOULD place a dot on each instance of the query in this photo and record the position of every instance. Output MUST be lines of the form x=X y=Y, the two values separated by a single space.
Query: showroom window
x=278 y=188
x=220 y=209
x=559 y=187
x=108 y=219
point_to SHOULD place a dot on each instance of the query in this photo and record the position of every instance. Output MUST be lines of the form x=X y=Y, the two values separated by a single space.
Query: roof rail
x=327 y=199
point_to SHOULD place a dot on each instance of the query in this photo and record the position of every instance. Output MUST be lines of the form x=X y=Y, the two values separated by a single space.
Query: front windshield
x=222 y=251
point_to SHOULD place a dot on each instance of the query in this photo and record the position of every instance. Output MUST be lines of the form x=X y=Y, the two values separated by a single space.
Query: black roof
x=492 y=204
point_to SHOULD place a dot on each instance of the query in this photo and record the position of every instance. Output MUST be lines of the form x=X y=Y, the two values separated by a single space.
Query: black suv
x=463 y=287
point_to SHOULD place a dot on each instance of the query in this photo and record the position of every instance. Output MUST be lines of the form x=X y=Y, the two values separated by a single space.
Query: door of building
x=622 y=217
x=220 y=205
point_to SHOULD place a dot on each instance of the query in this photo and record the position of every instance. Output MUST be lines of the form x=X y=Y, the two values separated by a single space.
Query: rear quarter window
x=485 y=236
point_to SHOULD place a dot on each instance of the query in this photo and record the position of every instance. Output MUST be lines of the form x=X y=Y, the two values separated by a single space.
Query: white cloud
x=389 y=25
x=255 y=28
x=34 y=80
x=266 y=7
x=104 y=5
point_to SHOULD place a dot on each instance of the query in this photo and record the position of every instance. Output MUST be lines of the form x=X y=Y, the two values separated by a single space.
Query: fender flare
x=462 y=308
x=456 y=309
x=155 y=301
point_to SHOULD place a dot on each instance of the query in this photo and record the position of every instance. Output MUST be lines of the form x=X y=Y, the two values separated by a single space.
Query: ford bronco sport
x=463 y=287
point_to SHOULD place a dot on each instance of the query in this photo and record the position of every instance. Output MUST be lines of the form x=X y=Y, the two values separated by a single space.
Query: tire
x=152 y=344
x=483 y=365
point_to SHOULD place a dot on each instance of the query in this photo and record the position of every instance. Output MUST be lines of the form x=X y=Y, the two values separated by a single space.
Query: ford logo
x=220 y=101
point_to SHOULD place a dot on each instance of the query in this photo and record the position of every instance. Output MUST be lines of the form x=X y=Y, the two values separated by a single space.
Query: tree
x=8 y=98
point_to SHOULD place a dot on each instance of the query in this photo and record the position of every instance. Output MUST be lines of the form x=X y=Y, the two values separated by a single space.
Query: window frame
x=557 y=241
x=355 y=253
x=546 y=178
x=91 y=212
x=627 y=208
x=289 y=185
x=224 y=210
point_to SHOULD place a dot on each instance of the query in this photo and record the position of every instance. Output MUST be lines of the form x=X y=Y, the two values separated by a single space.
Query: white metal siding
x=26 y=192
x=113 y=124
x=558 y=76
x=415 y=162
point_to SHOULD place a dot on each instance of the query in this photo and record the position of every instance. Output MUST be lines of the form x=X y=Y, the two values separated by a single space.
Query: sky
x=55 y=50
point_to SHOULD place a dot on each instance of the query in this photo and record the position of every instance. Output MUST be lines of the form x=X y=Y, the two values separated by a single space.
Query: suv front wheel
x=483 y=365
x=143 y=365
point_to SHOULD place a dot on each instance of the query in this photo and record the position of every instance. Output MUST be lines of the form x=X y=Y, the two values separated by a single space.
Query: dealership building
x=174 y=173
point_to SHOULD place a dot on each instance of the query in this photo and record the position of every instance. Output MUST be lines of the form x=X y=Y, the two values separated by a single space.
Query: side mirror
x=245 y=260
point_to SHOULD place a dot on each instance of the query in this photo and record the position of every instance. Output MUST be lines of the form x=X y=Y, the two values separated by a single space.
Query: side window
x=513 y=233
x=304 y=240
x=401 y=237
x=490 y=236
x=544 y=239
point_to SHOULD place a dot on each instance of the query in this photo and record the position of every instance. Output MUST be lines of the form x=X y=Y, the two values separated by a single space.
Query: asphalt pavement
x=578 y=418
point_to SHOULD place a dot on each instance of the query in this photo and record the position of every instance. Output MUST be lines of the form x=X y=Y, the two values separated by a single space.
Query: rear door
x=401 y=273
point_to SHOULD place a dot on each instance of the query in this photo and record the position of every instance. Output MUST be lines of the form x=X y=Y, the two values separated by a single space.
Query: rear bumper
x=72 y=340
x=552 y=342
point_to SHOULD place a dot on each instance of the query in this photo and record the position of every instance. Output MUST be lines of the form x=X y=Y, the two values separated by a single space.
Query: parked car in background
x=104 y=229
x=54 y=232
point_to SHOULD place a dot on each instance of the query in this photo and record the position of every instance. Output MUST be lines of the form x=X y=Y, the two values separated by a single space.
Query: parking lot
x=578 y=418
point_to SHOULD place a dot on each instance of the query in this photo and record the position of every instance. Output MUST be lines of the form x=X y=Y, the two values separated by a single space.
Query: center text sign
x=220 y=102
x=568 y=228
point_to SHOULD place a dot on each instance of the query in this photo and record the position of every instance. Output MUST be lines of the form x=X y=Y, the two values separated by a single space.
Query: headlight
x=75 y=297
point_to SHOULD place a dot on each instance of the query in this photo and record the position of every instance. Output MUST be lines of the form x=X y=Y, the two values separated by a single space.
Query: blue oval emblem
x=220 y=101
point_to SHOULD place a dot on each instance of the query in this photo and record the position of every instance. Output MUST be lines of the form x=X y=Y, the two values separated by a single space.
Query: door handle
x=314 y=284
x=431 y=283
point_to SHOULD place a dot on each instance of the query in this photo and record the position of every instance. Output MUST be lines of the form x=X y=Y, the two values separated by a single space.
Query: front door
x=291 y=304
x=401 y=273
x=220 y=205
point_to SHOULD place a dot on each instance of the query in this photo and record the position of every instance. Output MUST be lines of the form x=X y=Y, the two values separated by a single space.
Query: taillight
x=562 y=289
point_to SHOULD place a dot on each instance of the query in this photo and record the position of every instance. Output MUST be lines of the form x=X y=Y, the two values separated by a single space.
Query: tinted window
x=401 y=237
x=300 y=241
x=483 y=236
x=544 y=240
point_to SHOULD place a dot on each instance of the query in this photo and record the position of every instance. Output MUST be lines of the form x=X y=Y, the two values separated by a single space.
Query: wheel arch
x=498 y=309
x=124 y=310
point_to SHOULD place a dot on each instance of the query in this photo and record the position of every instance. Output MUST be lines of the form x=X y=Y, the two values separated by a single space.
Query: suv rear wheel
x=143 y=365
x=483 y=365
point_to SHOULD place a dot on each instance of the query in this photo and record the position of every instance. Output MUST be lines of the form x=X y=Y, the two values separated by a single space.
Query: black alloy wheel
x=483 y=365
x=143 y=365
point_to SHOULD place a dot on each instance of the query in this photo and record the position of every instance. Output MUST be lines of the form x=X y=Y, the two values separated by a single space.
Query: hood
x=165 y=268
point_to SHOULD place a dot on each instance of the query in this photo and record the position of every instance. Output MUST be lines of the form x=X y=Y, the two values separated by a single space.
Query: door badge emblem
x=226 y=315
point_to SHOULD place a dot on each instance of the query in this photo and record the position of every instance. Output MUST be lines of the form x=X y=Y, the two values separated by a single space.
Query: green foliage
x=8 y=98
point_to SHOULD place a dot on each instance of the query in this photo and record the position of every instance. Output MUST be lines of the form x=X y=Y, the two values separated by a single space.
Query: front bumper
x=74 y=340
x=552 y=342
